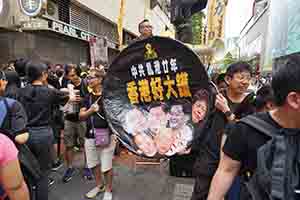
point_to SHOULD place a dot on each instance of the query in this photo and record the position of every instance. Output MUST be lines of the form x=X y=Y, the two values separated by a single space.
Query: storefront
x=53 y=41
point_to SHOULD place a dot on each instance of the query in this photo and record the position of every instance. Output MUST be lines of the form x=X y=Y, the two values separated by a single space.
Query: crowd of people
x=239 y=155
x=246 y=149
x=44 y=102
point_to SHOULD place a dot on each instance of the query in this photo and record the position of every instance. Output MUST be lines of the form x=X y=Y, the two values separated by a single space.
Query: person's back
x=37 y=103
x=37 y=100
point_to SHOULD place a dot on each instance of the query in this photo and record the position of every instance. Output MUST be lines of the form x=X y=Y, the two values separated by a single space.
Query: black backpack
x=28 y=162
x=277 y=174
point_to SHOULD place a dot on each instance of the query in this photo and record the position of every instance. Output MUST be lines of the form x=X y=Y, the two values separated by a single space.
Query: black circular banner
x=156 y=93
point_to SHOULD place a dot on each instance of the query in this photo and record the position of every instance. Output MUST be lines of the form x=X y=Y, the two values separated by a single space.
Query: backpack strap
x=5 y=105
x=260 y=125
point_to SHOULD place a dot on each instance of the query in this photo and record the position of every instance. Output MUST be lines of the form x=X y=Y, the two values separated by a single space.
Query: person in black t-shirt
x=240 y=150
x=74 y=129
x=38 y=100
x=98 y=158
x=208 y=146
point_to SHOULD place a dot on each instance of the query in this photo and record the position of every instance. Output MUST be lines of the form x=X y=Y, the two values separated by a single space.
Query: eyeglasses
x=93 y=77
x=147 y=26
x=243 y=77
x=90 y=77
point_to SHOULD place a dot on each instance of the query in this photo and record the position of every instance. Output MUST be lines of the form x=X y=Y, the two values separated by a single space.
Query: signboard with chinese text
x=156 y=95
x=98 y=50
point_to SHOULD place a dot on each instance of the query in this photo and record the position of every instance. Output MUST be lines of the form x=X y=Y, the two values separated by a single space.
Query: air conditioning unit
x=52 y=10
x=11 y=16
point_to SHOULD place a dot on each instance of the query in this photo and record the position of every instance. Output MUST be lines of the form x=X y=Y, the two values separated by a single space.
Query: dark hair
x=100 y=73
x=20 y=66
x=220 y=78
x=34 y=71
x=69 y=67
x=239 y=66
x=53 y=81
x=13 y=85
x=140 y=24
x=263 y=96
x=164 y=106
x=285 y=77
x=201 y=94
x=13 y=78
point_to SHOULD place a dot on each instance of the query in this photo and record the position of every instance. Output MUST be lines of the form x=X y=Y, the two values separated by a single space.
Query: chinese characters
x=158 y=89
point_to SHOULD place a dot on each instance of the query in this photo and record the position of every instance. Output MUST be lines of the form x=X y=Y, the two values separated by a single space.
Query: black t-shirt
x=244 y=141
x=209 y=149
x=83 y=89
x=38 y=101
x=99 y=118
x=208 y=157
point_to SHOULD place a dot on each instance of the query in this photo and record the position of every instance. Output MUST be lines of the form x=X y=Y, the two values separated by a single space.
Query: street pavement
x=131 y=182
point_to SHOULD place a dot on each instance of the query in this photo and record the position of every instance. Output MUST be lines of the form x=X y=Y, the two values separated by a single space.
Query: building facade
x=254 y=36
x=72 y=31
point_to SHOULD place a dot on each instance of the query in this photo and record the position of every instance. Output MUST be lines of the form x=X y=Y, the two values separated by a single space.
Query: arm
x=18 y=123
x=85 y=113
x=13 y=181
x=223 y=177
x=222 y=105
x=59 y=97
x=234 y=150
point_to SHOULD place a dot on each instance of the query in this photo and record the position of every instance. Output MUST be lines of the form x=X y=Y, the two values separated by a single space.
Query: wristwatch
x=228 y=113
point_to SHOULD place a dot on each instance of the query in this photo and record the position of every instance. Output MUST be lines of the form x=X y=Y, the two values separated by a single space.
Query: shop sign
x=31 y=7
x=98 y=50
x=69 y=30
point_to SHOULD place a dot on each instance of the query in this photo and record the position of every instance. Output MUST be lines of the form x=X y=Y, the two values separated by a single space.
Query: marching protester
x=13 y=121
x=145 y=29
x=11 y=178
x=56 y=123
x=38 y=100
x=238 y=78
x=13 y=117
x=74 y=129
x=99 y=142
x=264 y=147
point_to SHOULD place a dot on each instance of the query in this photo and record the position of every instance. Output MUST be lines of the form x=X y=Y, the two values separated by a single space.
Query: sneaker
x=57 y=165
x=95 y=191
x=107 y=196
x=87 y=174
x=50 y=182
x=68 y=175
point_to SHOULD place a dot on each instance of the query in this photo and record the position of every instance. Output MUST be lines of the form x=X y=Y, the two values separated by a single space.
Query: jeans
x=234 y=191
x=40 y=141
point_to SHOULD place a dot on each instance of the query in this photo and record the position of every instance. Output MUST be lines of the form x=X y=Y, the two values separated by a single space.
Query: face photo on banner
x=155 y=92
